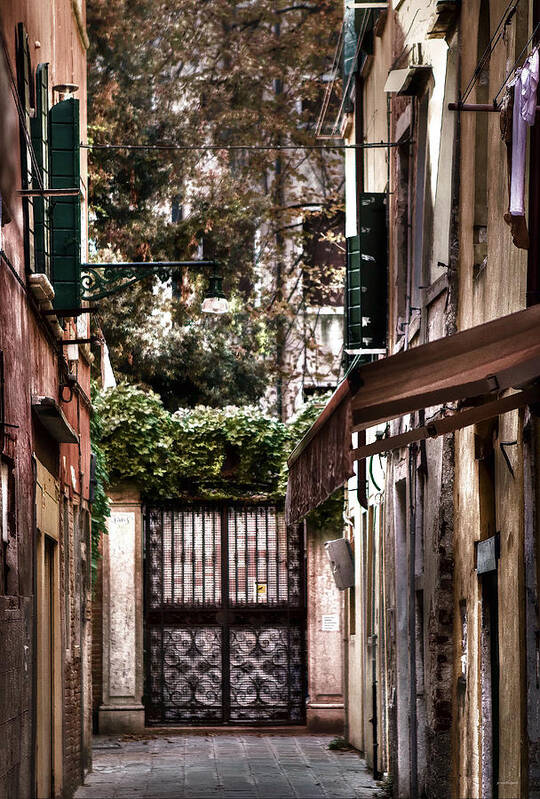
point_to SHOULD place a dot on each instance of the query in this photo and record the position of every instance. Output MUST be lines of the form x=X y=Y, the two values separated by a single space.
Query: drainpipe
x=346 y=632
x=410 y=200
x=413 y=752
x=33 y=775
x=533 y=259
x=374 y=719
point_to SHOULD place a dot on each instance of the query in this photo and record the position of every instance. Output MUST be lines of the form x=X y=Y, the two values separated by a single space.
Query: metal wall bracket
x=102 y=280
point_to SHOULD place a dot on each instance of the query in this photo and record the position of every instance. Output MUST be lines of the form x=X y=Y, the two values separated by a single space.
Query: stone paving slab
x=256 y=765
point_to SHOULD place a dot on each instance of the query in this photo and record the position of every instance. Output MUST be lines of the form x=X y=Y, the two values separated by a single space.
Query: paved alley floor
x=238 y=766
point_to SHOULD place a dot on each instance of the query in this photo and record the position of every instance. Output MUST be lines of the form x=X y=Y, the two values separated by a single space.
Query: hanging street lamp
x=103 y=280
x=215 y=300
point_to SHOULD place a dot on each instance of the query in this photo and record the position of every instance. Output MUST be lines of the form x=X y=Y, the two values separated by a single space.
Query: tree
x=207 y=73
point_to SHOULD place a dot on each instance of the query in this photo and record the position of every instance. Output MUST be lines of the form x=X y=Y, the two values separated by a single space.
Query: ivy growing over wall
x=100 y=505
x=232 y=452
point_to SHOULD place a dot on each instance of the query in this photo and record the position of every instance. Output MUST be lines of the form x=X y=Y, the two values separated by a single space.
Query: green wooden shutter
x=367 y=270
x=24 y=75
x=40 y=142
x=65 y=211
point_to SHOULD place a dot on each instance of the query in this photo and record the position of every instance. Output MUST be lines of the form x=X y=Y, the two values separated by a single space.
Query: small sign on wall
x=260 y=592
x=330 y=622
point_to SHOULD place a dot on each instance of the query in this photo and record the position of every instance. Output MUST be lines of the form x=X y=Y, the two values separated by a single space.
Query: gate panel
x=266 y=674
x=186 y=676
x=224 y=616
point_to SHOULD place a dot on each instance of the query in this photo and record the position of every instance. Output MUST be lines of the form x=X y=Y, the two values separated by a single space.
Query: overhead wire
x=508 y=13
x=218 y=147
x=516 y=62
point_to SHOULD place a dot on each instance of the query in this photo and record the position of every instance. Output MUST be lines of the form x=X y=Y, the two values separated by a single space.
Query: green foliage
x=189 y=361
x=213 y=72
x=199 y=452
x=233 y=451
x=100 y=506
x=338 y=744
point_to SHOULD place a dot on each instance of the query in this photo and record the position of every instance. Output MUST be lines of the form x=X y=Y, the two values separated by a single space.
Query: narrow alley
x=240 y=766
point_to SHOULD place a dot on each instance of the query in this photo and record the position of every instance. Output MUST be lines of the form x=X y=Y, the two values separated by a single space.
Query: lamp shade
x=215 y=300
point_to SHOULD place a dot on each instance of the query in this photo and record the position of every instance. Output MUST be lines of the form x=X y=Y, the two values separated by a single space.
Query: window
x=40 y=142
x=26 y=95
x=8 y=554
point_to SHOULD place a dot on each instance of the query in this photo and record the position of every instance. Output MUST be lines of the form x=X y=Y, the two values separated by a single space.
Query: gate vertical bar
x=172 y=556
x=193 y=556
x=183 y=561
x=256 y=518
x=203 y=555
x=162 y=620
x=214 y=553
x=303 y=605
x=147 y=641
x=236 y=556
x=225 y=602
x=267 y=555
x=247 y=553
x=278 y=564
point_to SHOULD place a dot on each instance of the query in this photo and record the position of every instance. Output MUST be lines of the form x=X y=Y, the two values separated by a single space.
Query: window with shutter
x=65 y=211
x=25 y=87
x=366 y=280
x=40 y=143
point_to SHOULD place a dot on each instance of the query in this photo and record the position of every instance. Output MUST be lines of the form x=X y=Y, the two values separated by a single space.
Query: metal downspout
x=413 y=737
x=33 y=774
x=374 y=641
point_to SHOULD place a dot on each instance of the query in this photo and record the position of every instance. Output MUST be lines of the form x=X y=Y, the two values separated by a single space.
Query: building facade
x=45 y=592
x=438 y=438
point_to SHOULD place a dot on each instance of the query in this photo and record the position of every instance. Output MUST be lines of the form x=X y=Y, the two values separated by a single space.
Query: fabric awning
x=322 y=462
x=479 y=363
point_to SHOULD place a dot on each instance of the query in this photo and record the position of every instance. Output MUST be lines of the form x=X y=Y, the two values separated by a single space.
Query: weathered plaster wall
x=496 y=290
x=325 y=708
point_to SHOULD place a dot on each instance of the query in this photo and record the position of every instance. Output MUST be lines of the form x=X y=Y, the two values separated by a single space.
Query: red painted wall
x=33 y=366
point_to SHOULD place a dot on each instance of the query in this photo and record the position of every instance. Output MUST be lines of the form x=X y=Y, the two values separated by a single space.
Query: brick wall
x=15 y=697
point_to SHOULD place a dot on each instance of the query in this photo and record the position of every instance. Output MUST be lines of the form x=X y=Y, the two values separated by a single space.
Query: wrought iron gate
x=224 y=616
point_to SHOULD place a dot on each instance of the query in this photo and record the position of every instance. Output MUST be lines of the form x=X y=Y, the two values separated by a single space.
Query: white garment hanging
x=525 y=99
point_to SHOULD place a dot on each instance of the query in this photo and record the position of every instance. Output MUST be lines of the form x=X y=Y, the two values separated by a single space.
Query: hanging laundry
x=524 y=91
x=518 y=225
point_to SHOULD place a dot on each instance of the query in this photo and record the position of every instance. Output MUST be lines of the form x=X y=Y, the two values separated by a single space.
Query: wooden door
x=45 y=677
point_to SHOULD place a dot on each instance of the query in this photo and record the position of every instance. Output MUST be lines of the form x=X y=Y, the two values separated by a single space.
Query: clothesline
x=499 y=31
x=516 y=62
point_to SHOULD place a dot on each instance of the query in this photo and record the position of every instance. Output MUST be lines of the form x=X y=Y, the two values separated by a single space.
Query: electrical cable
x=379 y=489
x=516 y=62
x=217 y=147
x=497 y=35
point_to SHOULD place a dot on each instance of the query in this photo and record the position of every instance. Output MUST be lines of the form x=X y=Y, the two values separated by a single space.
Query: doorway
x=45 y=689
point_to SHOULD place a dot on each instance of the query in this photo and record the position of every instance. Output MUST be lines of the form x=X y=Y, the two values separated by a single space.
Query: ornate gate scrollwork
x=225 y=616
